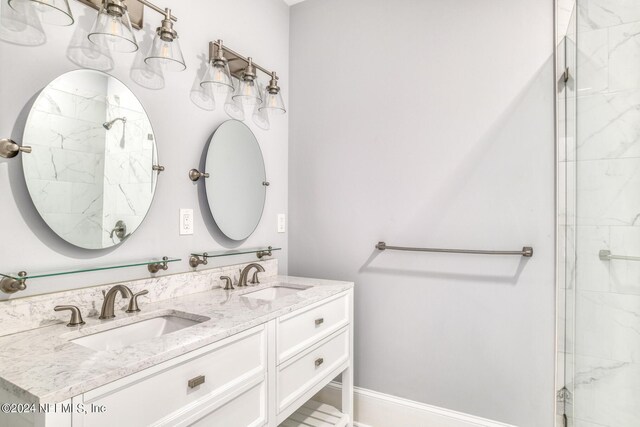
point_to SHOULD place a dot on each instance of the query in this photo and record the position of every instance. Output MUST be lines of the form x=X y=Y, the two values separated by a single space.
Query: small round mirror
x=91 y=171
x=236 y=187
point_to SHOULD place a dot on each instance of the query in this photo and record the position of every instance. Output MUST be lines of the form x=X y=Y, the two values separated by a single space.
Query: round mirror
x=91 y=171
x=236 y=187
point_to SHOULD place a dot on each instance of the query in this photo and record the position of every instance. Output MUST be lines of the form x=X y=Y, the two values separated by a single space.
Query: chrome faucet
x=245 y=273
x=110 y=301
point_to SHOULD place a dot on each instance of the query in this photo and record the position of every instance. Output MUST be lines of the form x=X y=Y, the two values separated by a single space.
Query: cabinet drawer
x=300 y=329
x=154 y=394
x=298 y=375
x=247 y=410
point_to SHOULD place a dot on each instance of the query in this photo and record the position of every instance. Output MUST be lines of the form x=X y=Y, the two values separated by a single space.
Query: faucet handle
x=76 y=315
x=133 y=302
x=228 y=285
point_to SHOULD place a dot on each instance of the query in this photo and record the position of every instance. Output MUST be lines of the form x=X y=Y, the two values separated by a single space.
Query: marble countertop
x=44 y=366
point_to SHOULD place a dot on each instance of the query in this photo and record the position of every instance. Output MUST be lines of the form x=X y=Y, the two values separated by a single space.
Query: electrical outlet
x=186 y=222
x=282 y=223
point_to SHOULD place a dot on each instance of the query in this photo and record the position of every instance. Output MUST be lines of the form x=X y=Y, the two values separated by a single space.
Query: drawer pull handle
x=195 y=382
x=319 y=362
x=319 y=321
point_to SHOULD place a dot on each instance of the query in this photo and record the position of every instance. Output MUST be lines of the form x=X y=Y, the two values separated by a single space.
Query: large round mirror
x=236 y=187
x=91 y=171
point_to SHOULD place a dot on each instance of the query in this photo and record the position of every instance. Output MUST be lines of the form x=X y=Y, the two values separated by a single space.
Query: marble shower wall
x=67 y=181
x=129 y=180
x=606 y=160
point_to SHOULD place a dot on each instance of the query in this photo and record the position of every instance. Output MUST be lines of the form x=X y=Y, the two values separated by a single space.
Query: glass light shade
x=233 y=107
x=202 y=96
x=248 y=93
x=20 y=24
x=113 y=32
x=273 y=103
x=167 y=54
x=55 y=12
x=218 y=77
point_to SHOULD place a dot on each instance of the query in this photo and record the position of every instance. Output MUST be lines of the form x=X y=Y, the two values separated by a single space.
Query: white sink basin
x=275 y=292
x=140 y=331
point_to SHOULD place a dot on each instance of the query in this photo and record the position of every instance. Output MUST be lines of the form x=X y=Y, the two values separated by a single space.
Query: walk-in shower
x=599 y=213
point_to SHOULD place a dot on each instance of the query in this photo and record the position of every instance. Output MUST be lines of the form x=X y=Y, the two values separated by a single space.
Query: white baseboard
x=373 y=409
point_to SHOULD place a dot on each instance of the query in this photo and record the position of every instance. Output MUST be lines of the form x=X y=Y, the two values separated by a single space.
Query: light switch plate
x=282 y=223
x=186 y=222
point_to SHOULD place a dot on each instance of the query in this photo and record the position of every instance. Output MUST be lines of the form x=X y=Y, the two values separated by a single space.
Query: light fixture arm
x=218 y=44
x=166 y=12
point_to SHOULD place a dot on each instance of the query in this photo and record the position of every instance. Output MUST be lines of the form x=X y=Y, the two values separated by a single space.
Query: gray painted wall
x=259 y=29
x=430 y=123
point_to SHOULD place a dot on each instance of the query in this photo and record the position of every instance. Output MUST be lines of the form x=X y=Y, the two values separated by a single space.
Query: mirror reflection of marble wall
x=84 y=178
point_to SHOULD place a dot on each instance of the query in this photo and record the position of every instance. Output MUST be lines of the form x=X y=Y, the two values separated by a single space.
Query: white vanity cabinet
x=314 y=345
x=258 y=377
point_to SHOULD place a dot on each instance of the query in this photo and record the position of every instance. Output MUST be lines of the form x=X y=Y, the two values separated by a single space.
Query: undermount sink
x=123 y=336
x=275 y=292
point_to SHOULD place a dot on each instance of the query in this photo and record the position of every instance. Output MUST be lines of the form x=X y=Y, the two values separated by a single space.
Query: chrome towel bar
x=526 y=251
x=605 y=255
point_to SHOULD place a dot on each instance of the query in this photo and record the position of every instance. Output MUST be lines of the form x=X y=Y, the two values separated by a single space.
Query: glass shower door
x=601 y=343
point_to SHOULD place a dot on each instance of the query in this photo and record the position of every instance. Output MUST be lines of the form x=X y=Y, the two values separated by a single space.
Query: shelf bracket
x=9 y=285
x=261 y=254
x=195 y=261
x=157 y=266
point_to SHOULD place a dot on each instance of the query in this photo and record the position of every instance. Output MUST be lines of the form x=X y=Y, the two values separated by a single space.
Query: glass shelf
x=156 y=262
x=265 y=251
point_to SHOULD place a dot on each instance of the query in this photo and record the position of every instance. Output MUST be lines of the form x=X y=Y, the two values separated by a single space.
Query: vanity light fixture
x=249 y=92
x=112 y=28
x=165 y=49
x=272 y=98
x=223 y=67
x=54 y=12
x=218 y=75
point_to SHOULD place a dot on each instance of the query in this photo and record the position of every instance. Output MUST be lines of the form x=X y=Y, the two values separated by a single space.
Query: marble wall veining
x=604 y=349
x=89 y=178
x=67 y=180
